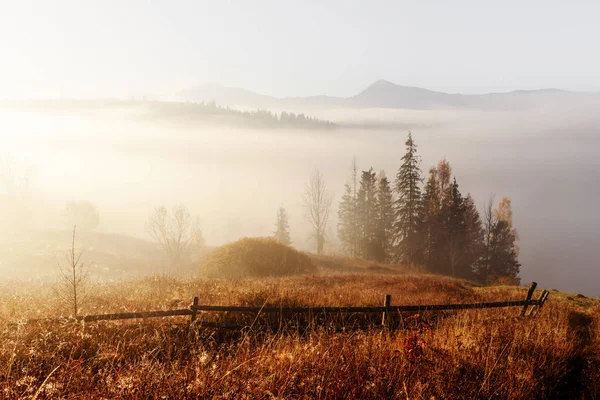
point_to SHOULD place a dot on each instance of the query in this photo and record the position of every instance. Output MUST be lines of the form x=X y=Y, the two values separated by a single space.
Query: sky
x=294 y=48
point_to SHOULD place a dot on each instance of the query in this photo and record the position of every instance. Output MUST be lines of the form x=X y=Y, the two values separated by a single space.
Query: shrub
x=256 y=257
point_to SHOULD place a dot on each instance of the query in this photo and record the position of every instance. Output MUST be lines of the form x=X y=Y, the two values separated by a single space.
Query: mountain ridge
x=385 y=94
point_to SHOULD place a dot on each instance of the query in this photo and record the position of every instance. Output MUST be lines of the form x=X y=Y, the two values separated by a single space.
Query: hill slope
x=464 y=354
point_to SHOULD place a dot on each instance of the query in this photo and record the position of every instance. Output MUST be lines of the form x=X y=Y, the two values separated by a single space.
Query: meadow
x=464 y=354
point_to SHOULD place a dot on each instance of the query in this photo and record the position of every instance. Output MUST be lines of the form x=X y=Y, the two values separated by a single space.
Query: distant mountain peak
x=382 y=94
x=382 y=82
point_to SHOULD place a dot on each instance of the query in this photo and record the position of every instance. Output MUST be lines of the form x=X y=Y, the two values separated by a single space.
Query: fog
x=127 y=161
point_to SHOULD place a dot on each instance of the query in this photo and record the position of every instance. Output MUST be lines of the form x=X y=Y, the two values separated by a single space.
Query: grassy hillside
x=463 y=354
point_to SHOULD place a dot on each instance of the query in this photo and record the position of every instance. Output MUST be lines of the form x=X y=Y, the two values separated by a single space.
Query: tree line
x=427 y=223
x=259 y=117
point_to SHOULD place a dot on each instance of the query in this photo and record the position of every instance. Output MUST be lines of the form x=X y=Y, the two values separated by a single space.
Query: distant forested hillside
x=189 y=112
x=258 y=117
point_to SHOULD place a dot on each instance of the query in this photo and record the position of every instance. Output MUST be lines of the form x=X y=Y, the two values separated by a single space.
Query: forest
x=410 y=221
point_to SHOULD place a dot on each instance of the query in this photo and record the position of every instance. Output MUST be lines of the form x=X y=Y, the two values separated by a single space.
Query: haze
x=539 y=148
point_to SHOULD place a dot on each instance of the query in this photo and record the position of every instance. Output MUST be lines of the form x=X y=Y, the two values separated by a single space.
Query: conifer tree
x=504 y=261
x=429 y=210
x=408 y=180
x=282 y=232
x=500 y=254
x=504 y=253
x=354 y=214
x=346 y=226
x=446 y=242
x=443 y=218
x=385 y=218
x=455 y=229
x=367 y=211
x=473 y=235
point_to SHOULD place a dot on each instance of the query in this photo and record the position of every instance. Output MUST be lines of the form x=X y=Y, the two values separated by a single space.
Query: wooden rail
x=387 y=309
x=132 y=315
x=371 y=309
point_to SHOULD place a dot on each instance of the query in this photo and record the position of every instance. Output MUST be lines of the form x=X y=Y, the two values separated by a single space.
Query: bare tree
x=489 y=224
x=176 y=231
x=74 y=279
x=317 y=201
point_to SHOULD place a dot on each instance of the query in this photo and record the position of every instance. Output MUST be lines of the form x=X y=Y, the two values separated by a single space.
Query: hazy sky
x=132 y=48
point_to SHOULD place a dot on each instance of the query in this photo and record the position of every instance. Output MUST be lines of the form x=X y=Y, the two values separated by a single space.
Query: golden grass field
x=446 y=355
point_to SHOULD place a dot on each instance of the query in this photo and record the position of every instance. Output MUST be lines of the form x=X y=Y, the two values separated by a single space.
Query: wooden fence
x=386 y=310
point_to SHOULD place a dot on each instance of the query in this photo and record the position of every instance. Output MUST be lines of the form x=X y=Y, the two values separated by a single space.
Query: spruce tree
x=408 y=180
x=385 y=218
x=367 y=215
x=429 y=210
x=346 y=226
x=282 y=232
x=446 y=242
x=499 y=261
x=473 y=236
x=455 y=228
x=504 y=263
x=355 y=232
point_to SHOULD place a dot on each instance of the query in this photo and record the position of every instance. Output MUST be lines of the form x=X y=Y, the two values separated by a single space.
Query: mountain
x=385 y=94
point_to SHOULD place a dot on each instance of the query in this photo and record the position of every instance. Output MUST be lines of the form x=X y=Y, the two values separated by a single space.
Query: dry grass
x=466 y=354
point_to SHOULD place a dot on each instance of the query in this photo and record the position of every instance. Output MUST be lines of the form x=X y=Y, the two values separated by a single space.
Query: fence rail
x=387 y=309
x=371 y=309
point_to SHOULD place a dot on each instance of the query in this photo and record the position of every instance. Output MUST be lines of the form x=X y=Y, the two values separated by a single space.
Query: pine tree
x=282 y=232
x=473 y=236
x=442 y=223
x=429 y=209
x=500 y=253
x=504 y=263
x=367 y=215
x=408 y=180
x=385 y=218
x=455 y=229
x=447 y=243
x=346 y=226
x=448 y=225
x=354 y=215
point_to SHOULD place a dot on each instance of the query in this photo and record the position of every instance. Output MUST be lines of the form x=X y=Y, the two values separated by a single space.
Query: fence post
x=545 y=298
x=386 y=314
x=529 y=294
x=536 y=307
x=194 y=311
